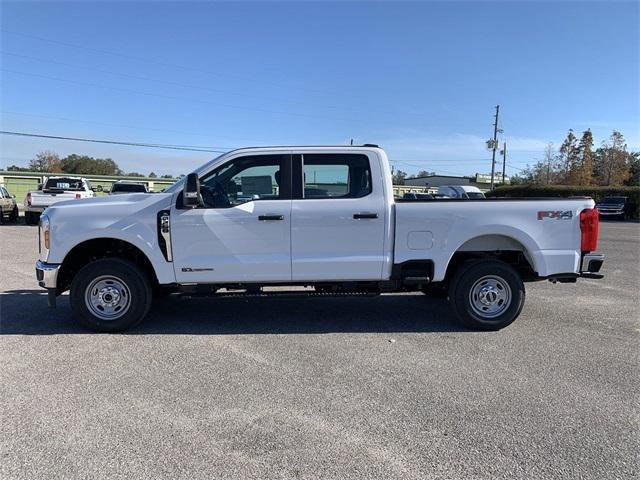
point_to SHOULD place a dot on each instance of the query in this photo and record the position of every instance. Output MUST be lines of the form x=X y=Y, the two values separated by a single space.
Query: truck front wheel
x=13 y=218
x=487 y=294
x=110 y=295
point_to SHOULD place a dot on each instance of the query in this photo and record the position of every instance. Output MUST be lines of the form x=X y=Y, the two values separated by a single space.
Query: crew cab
x=323 y=218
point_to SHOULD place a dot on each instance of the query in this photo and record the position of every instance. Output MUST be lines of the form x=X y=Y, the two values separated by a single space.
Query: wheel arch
x=98 y=248
x=511 y=249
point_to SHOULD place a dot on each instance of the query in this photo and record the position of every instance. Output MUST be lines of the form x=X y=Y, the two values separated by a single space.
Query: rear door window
x=336 y=176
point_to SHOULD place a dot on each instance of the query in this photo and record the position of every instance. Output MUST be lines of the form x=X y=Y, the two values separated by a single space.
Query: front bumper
x=610 y=211
x=47 y=275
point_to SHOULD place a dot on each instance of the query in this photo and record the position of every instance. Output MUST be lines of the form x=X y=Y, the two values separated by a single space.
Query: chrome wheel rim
x=490 y=296
x=107 y=297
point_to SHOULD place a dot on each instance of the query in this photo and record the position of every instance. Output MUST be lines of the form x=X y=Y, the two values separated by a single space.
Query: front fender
x=134 y=222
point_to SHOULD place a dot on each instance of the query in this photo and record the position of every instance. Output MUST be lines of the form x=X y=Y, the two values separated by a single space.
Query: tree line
x=576 y=162
x=399 y=176
x=50 y=162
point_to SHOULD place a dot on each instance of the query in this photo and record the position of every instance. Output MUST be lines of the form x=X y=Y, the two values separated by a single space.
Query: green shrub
x=597 y=193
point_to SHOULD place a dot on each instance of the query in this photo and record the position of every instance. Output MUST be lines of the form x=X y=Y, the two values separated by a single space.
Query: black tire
x=1 y=216
x=30 y=218
x=13 y=218
x=486 y=281
x=137 y=289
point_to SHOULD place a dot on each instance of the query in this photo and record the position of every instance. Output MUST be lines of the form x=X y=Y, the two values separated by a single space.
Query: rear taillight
x=77 y=196
x=589 y=220
x=29 y=199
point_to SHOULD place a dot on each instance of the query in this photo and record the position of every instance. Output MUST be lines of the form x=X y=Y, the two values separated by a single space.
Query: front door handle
x=270 y=217
x=359 y=216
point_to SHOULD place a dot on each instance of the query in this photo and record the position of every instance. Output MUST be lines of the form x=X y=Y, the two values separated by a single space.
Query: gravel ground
x=384 y=387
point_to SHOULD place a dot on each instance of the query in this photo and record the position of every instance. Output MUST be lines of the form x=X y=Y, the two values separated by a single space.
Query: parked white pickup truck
x=320 y=217
x=54 y=190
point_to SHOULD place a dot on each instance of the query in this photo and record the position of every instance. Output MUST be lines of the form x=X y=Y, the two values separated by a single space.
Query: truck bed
x=546 y=230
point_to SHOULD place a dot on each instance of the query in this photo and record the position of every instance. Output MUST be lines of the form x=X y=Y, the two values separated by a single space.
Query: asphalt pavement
x=385 y=387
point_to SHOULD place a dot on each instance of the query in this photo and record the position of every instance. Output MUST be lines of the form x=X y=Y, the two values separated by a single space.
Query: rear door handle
x=359 y=216
x=270 y=217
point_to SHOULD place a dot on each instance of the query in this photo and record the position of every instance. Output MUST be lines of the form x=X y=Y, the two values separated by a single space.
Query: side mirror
x=191 y=191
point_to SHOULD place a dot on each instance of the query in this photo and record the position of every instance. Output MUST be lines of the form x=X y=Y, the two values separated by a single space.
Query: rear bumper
x=591 y=263
x=35 y=209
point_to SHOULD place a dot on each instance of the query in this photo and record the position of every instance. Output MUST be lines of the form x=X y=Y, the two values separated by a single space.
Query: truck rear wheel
x=487 y=294
x=110 y=295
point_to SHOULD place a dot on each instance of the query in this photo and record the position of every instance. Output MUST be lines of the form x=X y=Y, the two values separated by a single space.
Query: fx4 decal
x=556 y=215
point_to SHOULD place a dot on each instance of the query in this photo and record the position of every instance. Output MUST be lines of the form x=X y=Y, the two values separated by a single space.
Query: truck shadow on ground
x=25 y=312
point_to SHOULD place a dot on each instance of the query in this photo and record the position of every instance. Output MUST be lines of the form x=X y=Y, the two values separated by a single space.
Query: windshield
x=64 y=184
x=614 y=200
x=129 y=187
x=475 y=195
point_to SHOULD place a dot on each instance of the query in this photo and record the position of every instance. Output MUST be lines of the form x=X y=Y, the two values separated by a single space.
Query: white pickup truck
x=54 y=190
x=323 y=218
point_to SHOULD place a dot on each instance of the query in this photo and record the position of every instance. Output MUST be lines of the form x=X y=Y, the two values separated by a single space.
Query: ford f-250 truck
x=54 y=190
x=320 y=217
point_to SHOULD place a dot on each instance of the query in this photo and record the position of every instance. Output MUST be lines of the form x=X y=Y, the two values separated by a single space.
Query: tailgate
x=46 y=199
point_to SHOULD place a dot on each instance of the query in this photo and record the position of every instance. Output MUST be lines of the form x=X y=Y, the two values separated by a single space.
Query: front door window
x=245 y=179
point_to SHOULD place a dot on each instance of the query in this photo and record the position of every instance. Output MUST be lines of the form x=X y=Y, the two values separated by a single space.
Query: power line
x=170 y=65
x=76 y=120
x=517 y=168
x=115 y=142
x=190 y=148
x=199 y=87
x=170 y=97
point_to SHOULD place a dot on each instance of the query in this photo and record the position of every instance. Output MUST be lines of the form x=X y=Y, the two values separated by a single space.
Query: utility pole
x=494 y=146
x=504 y=160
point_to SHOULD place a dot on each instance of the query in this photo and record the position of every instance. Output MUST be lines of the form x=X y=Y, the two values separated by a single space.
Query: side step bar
x=189 y=292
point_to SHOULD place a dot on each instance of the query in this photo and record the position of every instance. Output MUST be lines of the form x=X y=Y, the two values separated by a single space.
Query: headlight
x=45 y=235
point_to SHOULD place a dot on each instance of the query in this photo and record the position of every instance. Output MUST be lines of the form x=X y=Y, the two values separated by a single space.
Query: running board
x=281 y=294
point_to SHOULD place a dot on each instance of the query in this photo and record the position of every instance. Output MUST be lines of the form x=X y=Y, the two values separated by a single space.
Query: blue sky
x=421 y=79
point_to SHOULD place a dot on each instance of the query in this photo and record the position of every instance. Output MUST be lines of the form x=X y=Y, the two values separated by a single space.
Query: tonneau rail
x=491 y=199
